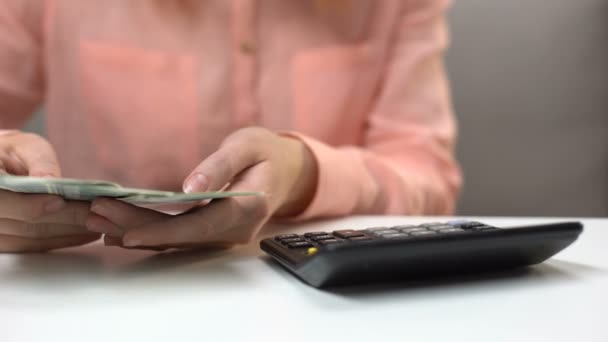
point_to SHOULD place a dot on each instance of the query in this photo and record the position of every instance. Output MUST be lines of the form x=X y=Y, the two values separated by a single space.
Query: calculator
x=381 y=254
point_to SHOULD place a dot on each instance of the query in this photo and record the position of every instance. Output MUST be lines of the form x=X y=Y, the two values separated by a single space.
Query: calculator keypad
x=394 y=236
x=349 y=233
x=300 y=244
x=330 y=242
x=427 y=230
x=322 y=237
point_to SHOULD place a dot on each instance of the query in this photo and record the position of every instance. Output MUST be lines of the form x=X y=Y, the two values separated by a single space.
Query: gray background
x=530 y=85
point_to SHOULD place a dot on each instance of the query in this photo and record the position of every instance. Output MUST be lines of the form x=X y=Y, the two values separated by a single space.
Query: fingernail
x=100 y=209
x=130 y=242
x=197 y=182
x=97 y=226
x=100 y=225
x=54 y=205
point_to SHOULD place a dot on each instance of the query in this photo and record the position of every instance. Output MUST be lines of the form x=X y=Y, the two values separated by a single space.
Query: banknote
x=88 y=190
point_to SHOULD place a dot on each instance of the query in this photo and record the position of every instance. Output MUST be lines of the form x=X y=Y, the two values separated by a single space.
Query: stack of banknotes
x=88 y=190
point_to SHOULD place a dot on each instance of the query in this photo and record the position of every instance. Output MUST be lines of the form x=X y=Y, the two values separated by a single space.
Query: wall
x=530 y=84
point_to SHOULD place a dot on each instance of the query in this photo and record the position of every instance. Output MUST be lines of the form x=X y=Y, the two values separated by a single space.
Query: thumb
x=221 y=167
x=38 y=157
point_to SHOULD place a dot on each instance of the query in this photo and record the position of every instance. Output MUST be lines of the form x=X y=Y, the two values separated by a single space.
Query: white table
x=97 y=293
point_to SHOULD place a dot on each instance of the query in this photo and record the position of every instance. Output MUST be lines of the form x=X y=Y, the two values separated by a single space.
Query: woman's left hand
x=251 y=159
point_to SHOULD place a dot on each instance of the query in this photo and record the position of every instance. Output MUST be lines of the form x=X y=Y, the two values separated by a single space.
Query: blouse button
x=247 y=48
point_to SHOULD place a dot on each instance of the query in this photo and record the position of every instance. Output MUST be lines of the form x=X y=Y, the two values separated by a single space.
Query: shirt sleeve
x=406 y=164
x=21 y=74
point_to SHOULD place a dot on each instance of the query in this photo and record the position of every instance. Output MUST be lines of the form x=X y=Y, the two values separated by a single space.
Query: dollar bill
x=88 y=190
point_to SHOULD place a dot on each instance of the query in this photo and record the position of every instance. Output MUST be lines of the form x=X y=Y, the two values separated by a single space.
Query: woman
x=331 y=107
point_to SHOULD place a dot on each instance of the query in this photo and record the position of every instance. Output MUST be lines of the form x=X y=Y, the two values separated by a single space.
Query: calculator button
x=413 y=230
x=286 y=241
x=452 y=230
x=427 y=232
x=301 y=244
x=386 y=231
x=470 y=225
x=359 y=238
x=286 y=236
x=311 y=234
x=395 y=236
x=348 y=233
x=321 y=237
x=329 y=242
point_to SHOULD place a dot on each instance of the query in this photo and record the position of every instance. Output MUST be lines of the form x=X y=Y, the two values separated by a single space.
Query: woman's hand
x=252 y=159
x=36 y=223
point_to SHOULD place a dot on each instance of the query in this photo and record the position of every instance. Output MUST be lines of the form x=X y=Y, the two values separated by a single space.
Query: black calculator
x=380 y=254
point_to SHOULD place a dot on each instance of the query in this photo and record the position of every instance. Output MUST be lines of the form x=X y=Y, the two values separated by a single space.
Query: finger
x=210 y=246
x=12 y=164
x=123 y=214
x=37 y=155
x=223 y=165
x=42 y=208
x=73 y=213
x=15 y=244
x=171 y=208
x=112 y=241
x=228 y=220
x=44 y=230
x=30 y=207
x=100 y=224
x=116 y=241
x=9 y=162
x=182 y=229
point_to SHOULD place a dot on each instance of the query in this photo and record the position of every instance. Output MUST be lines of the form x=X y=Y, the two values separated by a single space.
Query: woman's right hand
x=31 y=222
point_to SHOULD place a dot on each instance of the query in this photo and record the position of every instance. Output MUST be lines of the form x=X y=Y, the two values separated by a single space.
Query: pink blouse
x=140 y=93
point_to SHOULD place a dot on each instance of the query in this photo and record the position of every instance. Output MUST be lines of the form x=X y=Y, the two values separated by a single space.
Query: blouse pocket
x=332 y=91
x=141 y=111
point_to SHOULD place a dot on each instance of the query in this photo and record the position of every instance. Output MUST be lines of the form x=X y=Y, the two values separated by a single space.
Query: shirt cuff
x=343 y=183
